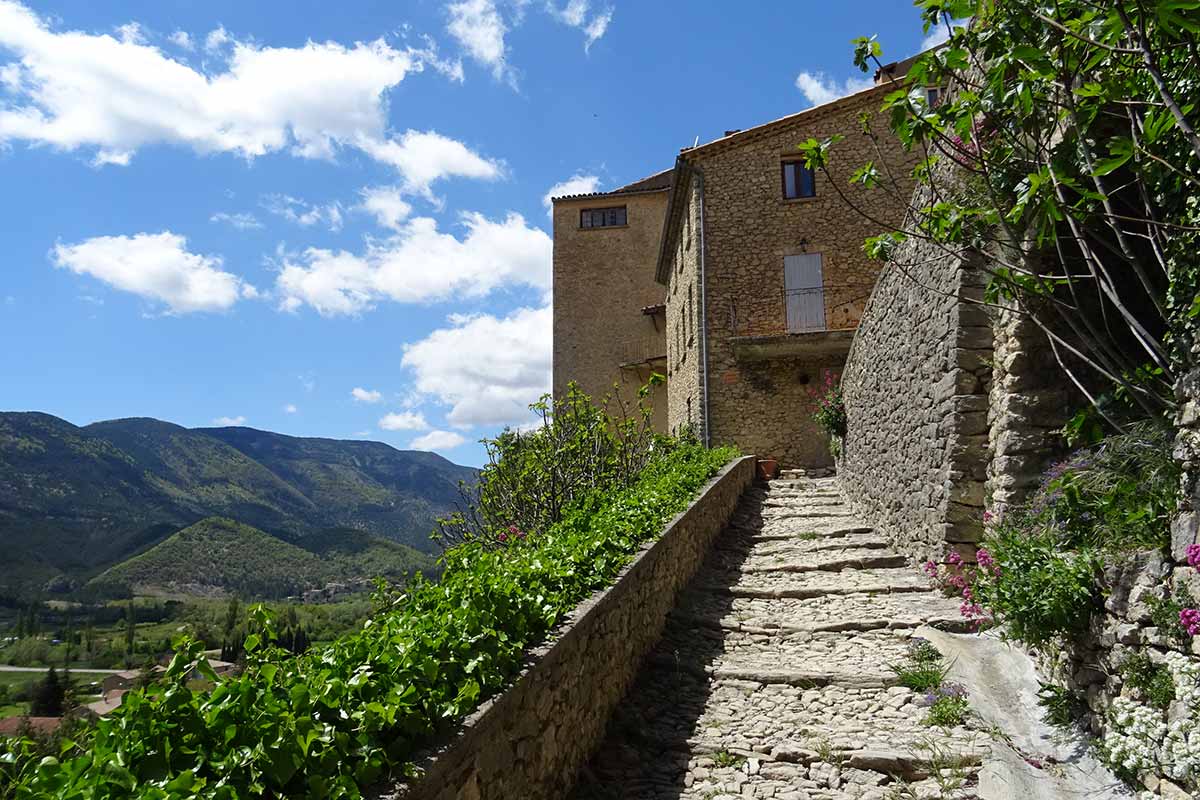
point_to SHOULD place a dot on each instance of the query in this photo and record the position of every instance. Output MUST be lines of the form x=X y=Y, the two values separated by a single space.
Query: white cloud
x=302 y=212
x=386 y=204
x=419 y=264
x=576 y=14
x=404 y=421
x=819 y=89
x=480 y=31
x=487 y=369
x=243 y=221
x=112 y=96
x=362 y=395
x=437 y=440
x=229 y=422
x=182 y=40
x=423 y=157
x=156 y=266
x=131 y=33
x=940 y=34
x=290 y=408
x=576 y=184
x=216 y=39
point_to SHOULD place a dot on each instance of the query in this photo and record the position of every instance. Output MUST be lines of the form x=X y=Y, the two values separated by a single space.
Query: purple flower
x=1193 y=555
x=988 y=517
x=930 y=568
x=1189 y=618
x=954 y=559
x=503 y=537
x=984 y=558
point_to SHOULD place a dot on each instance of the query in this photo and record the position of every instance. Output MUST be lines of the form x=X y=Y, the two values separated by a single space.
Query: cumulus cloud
x=182 y=40
x=437 y=440
x=576 y=184
x=302 y=212
x=488 y=369
x=480 y=30
x=244 y=221
x=386 y=204
x=404 y=421
x=423 y=157
x=419 y=264
x=158 y=267
x=818 y=88
x=112 y=95
x=362 y=395
x=579 y=14
x=229 y=422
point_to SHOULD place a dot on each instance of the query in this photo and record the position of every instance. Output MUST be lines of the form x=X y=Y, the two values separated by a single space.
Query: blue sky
x=331 y=219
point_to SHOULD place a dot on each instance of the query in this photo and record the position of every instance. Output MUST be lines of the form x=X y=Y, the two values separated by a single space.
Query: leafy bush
x=340 y=717
x=831 y=410
x=1151 y=679
x=533 y=477
x=1116 y=496
x=1041 y=590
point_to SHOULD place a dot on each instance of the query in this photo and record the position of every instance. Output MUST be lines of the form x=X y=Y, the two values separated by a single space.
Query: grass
x=923 y=670
x=947 y=711
x=725 y=759
x=1061 y=707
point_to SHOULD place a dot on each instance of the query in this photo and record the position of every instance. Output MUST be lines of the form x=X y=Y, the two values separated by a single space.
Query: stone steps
x=772 y=678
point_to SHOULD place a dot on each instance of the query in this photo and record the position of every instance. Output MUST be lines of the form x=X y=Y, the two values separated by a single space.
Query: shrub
x=1035 y=586
x=1152 y=680
x=948 y=706
x=344 y=716
x=533 y=477
x=830 y=414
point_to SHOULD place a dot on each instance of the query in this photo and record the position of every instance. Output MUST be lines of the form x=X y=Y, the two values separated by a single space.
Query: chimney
x=732 y=132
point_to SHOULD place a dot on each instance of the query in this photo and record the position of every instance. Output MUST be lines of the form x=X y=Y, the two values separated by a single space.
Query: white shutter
x=804 y=289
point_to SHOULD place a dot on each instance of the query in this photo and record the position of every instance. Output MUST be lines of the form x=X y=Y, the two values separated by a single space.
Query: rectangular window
x=602 y=217
x=804 y=292
x=933 y=94
x=797 y=180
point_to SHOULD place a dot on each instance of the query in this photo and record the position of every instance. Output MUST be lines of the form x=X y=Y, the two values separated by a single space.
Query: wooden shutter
x=804 y=289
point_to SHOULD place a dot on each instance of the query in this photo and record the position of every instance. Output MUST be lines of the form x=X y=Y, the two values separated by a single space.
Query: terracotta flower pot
x=767 y=468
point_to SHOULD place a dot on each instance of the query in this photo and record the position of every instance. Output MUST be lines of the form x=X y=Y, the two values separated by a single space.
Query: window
x=797 y=180
x=602 y=217
x=933 y=94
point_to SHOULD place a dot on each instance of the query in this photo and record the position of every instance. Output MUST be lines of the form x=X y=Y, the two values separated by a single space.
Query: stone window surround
x=582 y=211
x=792 y=158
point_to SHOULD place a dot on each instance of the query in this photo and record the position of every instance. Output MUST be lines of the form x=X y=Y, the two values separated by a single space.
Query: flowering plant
x=830 y=411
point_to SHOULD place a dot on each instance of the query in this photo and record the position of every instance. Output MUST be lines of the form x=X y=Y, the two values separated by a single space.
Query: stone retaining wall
x=915 y=385
x=530 y=741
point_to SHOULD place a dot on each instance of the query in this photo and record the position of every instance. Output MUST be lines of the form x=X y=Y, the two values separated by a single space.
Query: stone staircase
x=772 y=678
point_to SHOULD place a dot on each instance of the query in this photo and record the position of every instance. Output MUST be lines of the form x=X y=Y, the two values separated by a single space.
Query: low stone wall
x=530 y=741
x=915 y=386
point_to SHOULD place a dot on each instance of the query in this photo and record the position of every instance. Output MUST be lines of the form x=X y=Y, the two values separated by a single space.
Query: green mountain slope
x=77 y=500
x=218 y=556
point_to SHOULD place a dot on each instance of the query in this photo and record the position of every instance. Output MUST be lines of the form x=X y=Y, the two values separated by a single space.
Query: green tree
x=49 y=696
x=1063 y=159
x=130 y=632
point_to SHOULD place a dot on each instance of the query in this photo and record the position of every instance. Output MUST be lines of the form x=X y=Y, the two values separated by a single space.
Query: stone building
x=738 y=274
x=608 y=309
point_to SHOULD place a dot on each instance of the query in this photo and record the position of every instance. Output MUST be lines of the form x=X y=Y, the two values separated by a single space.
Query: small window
x=933 y=94
x=602 y=217
x=797 y=180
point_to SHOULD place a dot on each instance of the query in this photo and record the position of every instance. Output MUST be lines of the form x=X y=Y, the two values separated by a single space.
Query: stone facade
x=914 y=458
x=729 y=230
x=530 y=741
x=603 y=283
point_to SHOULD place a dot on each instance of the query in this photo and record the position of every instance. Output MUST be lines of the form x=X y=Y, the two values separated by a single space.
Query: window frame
x=604 y=212
x=784 y=165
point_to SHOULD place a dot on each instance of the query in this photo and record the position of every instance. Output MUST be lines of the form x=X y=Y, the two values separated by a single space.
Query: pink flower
x=985 y=559
x=958 y=582
x=1189 y=618
x=503 y=537
x=514 y=530
x=1193 y=555
x=520 y=534
x=988 y=516
x=954 y=559
x=930 y=568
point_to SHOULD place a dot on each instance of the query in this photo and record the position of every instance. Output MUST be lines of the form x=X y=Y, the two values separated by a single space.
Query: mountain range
x=75 y=501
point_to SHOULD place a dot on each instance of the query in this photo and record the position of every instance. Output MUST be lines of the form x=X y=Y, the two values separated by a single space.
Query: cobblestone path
x=772 y=678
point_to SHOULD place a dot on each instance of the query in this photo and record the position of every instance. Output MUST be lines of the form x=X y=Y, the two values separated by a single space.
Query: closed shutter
x=804 y=288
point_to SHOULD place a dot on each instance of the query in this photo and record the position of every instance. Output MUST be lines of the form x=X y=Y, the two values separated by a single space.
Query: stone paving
x=772 y=678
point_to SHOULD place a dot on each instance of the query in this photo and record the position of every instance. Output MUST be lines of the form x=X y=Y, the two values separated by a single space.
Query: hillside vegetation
x=75 y=501
x=219 y=556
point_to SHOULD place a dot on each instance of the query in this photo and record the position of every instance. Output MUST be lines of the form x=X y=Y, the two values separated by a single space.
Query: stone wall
x=685 y=389
x=603 y=278
x=915 y=385
x=762 y=403
x=530 y=741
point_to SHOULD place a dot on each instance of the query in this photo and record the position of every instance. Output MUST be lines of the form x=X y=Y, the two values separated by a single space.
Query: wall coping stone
x=481 y=742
